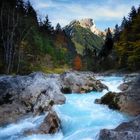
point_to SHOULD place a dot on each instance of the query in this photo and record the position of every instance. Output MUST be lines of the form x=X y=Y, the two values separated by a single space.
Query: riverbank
x=128 y=101
x=36 y=94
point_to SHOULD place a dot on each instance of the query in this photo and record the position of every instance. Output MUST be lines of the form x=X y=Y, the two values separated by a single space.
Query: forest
x=28 y=44
x=121 y=50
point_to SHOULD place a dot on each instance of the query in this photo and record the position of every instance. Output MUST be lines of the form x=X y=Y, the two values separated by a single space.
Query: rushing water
x=81 y=118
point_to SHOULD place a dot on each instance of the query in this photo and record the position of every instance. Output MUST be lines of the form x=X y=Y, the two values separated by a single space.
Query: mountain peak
x=87 y=23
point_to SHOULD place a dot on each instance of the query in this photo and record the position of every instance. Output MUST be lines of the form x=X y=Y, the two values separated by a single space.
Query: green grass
x=57 y=70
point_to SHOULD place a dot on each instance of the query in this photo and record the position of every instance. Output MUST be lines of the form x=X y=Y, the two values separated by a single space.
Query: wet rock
x=66 y=90
x=10 y=113
x=123 y=86
x=125 y=131
x=127 y=101
x=20 y=95
x=50 y=125
x=111 y=99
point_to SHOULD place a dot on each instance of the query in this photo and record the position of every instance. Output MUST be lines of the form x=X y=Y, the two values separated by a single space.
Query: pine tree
x=124 y=23
x=138 y=11
x=31 y=14
x=107 y=47
x=132 y=14
x=117 y=33
x=58 y=28
x=46 y=26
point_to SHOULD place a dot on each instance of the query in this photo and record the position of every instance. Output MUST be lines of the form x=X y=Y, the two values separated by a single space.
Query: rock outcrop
x=80 y=82
x=20 y=95
x=127 y=101
x=125 y=131
x=87 y=23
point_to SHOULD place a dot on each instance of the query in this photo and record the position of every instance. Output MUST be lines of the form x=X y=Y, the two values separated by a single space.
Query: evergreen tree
x=124 y=23
x=132 y=14
x=58 y=28
x=107 y=47
x=46 y=26
x=138 y=11
x=127 y=47
x=117 y=33
x=31 y=14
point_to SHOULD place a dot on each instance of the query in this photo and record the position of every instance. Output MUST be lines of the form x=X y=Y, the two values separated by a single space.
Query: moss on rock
x=111 y=100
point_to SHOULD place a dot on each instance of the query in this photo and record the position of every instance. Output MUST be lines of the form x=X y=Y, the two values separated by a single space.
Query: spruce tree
x=58 y=28
x=124 y=23
x=132 y=14
x=117 y=33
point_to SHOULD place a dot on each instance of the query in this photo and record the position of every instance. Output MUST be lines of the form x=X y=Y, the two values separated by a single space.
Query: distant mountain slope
x=83 y=37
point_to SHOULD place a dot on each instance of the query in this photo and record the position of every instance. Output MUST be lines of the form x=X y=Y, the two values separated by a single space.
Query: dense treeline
x=127 y=41
x=125 y=53
x=27 y=44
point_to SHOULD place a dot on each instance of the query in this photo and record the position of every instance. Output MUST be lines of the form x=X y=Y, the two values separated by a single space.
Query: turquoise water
x=81 y=118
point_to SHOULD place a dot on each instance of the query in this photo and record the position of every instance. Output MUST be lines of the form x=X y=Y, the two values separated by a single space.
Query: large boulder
x=80 y=82
x=34 y=93
x=125 y=131
x=50 y=125
x=123 y=86
x=110 y=99
x=129 y=101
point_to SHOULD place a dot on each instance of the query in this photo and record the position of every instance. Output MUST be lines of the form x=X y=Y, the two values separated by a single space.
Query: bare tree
x=12 y=35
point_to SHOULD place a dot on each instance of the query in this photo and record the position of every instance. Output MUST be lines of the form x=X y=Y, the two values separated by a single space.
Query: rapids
x=81 y=118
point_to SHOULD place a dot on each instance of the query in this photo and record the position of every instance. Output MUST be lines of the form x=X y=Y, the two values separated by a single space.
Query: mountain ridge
x=82 y=35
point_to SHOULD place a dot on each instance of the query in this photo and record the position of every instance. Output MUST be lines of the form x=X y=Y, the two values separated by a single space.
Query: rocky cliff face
x=83 y=37
x=88 y=23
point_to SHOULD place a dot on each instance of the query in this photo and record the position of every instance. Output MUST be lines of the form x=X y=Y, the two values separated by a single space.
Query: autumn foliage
x=77 y=63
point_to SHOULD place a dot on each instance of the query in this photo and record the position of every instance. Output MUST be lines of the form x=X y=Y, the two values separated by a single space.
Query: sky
x=105 y=13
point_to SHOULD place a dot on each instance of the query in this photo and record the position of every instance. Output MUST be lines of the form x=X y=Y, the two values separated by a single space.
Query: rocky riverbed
x=36 y=93
x=127 y=101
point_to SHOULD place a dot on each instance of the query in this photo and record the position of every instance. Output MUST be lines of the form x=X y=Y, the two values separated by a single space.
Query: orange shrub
x=77 y=63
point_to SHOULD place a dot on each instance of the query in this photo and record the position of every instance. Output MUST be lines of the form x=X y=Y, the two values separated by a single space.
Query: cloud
x=63 y=11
